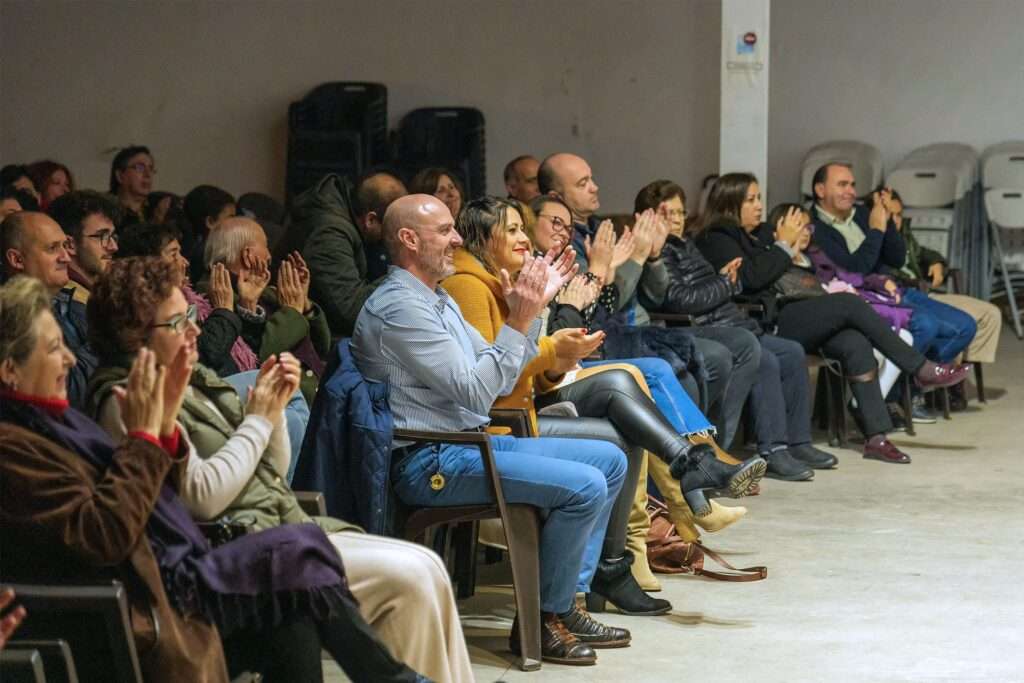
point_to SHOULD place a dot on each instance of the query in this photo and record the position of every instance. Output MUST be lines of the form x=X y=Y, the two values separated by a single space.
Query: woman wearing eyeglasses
x=239 y=457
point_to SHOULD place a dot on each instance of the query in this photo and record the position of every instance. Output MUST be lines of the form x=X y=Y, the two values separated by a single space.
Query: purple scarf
x=255 y=579
x=870 y=288
x=243 y=355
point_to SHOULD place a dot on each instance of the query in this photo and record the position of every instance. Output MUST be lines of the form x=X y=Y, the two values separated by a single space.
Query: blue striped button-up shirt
x=442 y=374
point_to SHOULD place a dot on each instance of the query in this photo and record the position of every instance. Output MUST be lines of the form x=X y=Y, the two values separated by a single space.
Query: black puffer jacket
x=697 y=289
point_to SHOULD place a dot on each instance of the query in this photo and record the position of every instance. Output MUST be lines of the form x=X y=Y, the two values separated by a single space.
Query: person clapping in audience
x=76 y=505
x=240 y=460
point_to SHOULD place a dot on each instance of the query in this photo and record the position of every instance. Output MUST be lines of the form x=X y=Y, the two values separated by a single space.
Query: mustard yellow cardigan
x=479 y=295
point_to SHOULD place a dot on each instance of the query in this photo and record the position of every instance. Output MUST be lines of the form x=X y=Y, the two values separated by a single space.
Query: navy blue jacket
x=880 y=252
x=70 y=315
x=346 y=452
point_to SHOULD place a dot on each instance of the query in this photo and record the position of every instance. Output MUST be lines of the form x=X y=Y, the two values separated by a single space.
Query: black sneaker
x=782 y=465
x=813 y=457
x=702 y=476
x=592 y=632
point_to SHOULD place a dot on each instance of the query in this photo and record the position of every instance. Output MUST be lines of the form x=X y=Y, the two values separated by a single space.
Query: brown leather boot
x=556 y=643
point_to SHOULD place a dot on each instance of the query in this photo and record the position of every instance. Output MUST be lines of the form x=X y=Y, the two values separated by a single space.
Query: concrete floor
x=877 y=572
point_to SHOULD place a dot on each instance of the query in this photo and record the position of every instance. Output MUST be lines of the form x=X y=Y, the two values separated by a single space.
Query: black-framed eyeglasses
x=105 y=237
x=140 y=167
x=178 y=323
x=556 y=221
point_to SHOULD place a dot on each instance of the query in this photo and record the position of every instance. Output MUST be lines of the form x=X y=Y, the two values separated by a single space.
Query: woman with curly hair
x=77 y=505
x=239 y=458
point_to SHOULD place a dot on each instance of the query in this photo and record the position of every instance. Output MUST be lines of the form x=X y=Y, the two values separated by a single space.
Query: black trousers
x=732 y=356
x=846 y=328
x=290 y=651
x=639 y=425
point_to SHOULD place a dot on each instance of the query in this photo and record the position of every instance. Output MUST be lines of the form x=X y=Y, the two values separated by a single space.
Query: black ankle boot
x=702 y=476
x=613 y=582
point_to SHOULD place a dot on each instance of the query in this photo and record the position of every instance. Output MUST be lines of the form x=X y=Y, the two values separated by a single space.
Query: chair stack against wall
x=1002 y=169
x=942 y=197
x=337 y=128
x=452 y=137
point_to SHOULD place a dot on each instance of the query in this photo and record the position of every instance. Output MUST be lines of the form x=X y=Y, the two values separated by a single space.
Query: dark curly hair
x=123 y=302
x=72 y=209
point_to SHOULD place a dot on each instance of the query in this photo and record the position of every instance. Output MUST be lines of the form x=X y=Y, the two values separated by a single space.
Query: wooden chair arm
x=312 y=503
x=673 y=319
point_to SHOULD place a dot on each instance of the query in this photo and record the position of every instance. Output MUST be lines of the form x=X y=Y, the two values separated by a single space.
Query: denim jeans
x=668 y=394
x=296 y=413
x=940 y=331
x=573 y=481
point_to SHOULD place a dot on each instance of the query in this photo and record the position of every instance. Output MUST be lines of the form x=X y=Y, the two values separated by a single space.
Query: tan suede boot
x=636 y=534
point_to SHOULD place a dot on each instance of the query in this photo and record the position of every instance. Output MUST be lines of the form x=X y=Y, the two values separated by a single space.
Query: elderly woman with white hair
x=275 y=318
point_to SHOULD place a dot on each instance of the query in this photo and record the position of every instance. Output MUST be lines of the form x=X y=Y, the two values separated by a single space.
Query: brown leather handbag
x=667 y=553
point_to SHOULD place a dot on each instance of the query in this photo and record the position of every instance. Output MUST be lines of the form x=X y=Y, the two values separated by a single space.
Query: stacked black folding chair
x=452 y=137
x=337 y=128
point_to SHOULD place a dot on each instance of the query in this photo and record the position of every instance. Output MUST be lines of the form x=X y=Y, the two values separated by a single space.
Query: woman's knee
x=621 y=381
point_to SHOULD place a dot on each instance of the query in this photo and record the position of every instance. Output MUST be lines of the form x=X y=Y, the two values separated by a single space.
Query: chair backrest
x=1005 y=207
x=94 y=622
x=58 y=662
x=22 y=666
x=1002 y=165
x=865 y=159
x=935 y=175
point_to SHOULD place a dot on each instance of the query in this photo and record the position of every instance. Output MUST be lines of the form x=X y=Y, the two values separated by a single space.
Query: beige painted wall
x=633 y=86
x=898 y=74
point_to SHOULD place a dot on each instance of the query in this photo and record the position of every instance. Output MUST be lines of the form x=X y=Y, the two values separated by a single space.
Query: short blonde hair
x=22 y=300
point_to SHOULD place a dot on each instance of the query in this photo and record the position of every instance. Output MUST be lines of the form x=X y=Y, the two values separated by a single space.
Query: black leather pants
x=637 y=425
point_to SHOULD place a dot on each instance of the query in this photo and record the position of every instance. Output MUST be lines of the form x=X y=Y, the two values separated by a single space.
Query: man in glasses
x=88 y=219
x=33 y=244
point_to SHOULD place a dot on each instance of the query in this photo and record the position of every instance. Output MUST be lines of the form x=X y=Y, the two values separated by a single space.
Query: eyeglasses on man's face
x=180 y=322
x=142 y=168
x=675 y=213
x=104 y=237
x=556 y=221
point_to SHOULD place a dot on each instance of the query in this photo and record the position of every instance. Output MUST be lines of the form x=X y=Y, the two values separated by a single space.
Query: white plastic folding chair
x=1005 y=207
x=1002 y=165
x=865 y=159
x=930 y=180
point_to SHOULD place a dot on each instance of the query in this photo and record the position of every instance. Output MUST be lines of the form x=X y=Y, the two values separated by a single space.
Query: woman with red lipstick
x=76 y=506
x=495 y=246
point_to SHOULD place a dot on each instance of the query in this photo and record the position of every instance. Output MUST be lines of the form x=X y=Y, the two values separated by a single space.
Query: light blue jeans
x=296 y=413
x=668 y=394
x=574 y=481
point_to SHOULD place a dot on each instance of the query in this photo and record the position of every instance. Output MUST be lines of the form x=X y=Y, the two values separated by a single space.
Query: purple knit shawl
x=255 y=579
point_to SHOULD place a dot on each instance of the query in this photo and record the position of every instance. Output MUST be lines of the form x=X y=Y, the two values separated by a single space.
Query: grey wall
x=895 y=74
x=633 y=86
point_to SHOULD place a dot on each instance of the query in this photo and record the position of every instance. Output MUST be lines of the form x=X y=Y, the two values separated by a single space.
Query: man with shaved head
x=337 y=229
x=443 y=376
x=32 y=244
x=521 y=178
x=642 y=281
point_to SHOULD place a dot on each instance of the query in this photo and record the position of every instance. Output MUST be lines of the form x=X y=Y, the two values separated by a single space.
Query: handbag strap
x=755 y=573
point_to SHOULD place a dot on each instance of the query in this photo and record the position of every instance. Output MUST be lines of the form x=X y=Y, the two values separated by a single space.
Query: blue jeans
x=668 y=394
x=940 y=331
x=296 y=413
x=575 y=481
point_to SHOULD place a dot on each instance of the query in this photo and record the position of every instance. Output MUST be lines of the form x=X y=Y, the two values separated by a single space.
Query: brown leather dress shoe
x=592 y=632
x=885 y=450
x=556 y=643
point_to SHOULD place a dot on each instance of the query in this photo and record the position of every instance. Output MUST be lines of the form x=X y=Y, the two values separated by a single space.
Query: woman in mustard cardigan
x=495 y=240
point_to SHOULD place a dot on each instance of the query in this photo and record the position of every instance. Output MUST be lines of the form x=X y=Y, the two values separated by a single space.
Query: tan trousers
x=405 y=595
x=990 y=322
